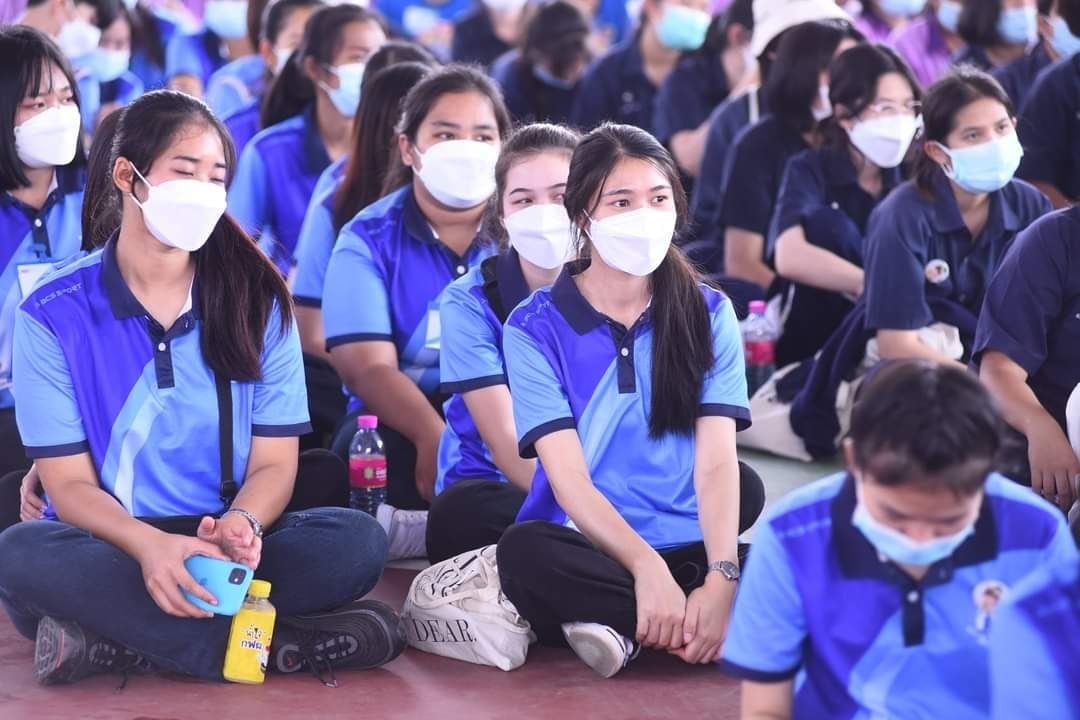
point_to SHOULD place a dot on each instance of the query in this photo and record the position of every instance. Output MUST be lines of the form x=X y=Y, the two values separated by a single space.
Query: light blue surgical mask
x=682 y=28
x=346 y=96
x=902 y=8
x=948 y=15
x=1065 y=43
x=1019 y=26
x=901 y=549
x=545 y=76
x=226 y=18
x=987 y=167
x=107 y=65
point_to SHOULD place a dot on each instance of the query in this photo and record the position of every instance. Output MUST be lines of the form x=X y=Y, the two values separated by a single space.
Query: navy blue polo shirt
x=1035 y=646
x=472 y=358
x=616 y=89
x=236 y=84
x=1049 y=128
x=475 y=40
x=386 y=276
x=570 y=367
x=696 y=86
x=30 y=238
x=912 y=238
x=198 y=55
x=753 y=172
x=97 y=374
x=1032 y=309
x=973 y=55
x=317 y=238
x=528 y=98
x=274 y=182
x=860 y=637
x=1018 y=77
x=243 y=124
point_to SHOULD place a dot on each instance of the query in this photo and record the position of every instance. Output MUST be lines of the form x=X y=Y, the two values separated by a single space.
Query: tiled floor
x=552 y=684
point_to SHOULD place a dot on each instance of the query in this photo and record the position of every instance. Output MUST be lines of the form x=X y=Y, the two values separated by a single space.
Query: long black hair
x=293 y=90
x=943 y=102
x=238 y=285
x=683 y=340
x=277 y=14
x=101 y=206
x=853 y=83
x=26 y=56
x=422 y=98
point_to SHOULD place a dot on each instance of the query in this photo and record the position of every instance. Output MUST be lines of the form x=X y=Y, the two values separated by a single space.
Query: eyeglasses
x=887 y=108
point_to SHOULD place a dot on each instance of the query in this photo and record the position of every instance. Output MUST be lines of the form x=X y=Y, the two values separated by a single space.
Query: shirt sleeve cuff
x=308 y=302
x=339 y=340
x=527 y=444
x=463 y=386
x=52 y=451
x=740 y=415
x=276 y=431
x=1014 y=351
x=762 y=676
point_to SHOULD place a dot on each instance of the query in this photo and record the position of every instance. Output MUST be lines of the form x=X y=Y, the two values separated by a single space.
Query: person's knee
x=20 y=548
x=520 y=547
x=363 y=546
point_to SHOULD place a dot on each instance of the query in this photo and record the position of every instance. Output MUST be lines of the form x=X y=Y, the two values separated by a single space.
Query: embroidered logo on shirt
x=986 y=596
x=937 y=271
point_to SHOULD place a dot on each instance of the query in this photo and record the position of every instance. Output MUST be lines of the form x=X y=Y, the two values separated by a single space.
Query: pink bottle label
x=760 y=352
x=367 y=472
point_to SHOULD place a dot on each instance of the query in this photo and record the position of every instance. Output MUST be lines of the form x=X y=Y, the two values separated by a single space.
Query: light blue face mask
x=987 y=167
x=107 y=65
x=346 y=96
x=545 y=76
x=682 y=28
x=902 y=8
x=226 y=18
x=1019 y=26
x=1065 y=43
x=901 y=549
x=948 y=15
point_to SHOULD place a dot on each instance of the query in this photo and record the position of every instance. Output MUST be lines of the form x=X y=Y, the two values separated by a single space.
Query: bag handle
x=225 y=439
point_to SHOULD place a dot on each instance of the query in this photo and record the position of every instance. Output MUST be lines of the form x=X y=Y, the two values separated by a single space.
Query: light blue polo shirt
x=861 y=638
x=274 y=181
x=29 y=237
x=570 y=367
x=471 y=359
x=386 y=276
x=123 y=91
x=243 y=124
x=236 y=84
x=317 y=238
x=96 y=374
x=198 y=54
x=1035 y=647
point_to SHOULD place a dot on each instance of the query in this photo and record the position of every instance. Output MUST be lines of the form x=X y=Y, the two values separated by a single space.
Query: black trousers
x=554 y=575
x=12 y=452
x=470 y=515
x=322 y=480
x=326 y=402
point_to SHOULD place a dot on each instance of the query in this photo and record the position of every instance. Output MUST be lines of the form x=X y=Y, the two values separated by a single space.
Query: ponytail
x=291 y=92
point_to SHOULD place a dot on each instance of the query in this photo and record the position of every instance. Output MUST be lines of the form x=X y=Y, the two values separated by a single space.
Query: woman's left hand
x=708 y=610
x=234 y=535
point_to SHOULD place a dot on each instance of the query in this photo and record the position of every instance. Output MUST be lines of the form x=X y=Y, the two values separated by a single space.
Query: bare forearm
x=718 y=509
x=688 y=147
x=397 y=401
x=517 y=470
x=605 y=528
x=312 y=339
x=810 y=265
x=90 y=508
x=1057 y=198
x=909 y=348
x=267 y=491
x=1022 y=410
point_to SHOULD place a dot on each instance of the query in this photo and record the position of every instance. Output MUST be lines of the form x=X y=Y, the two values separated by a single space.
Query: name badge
x=29 y=274
x=433 y=339
x=937 y=271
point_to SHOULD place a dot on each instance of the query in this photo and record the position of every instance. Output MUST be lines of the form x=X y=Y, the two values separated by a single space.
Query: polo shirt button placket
x=913 y=597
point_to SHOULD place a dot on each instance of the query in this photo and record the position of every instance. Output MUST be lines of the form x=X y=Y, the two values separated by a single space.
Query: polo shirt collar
x=571 y=304
x=414 y=221
x=858 y=558
x=511 y=281
x=315 y=156
x=66 y=180
x=840 y=170
x=123 y=302
x=946 y=215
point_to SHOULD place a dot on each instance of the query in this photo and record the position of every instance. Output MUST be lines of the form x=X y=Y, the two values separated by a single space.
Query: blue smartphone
x=227 y=581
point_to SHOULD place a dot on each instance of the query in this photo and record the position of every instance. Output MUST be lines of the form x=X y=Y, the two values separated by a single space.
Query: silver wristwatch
x=728 y=569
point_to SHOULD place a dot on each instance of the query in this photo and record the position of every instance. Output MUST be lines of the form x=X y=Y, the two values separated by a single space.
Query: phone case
x=227 y=581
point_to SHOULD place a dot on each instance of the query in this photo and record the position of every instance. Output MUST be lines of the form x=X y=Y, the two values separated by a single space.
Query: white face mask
x=281 y=59
x=50 y=138
x=346 y=96
x=823 y=107
x=182 y=213
x=885 y=140
x=505 y=6
x=459 y=173
x=78 y=38
x=541 y=235
x=635 y=242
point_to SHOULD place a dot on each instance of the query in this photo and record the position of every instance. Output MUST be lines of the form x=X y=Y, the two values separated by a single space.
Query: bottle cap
x=259 y=589
x=757 y=307
x=367 y=422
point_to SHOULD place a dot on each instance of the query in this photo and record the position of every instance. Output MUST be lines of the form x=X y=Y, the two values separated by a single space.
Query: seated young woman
x=161 y=396
x=628 y=384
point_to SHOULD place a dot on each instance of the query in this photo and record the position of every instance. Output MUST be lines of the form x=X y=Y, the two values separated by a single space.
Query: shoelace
x=307 y=651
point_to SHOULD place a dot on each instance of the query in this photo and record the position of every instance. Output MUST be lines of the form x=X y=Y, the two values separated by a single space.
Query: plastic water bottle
x=367 y=467
x=759 y=341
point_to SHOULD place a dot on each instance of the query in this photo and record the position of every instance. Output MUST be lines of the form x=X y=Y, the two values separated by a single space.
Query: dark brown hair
x=682 y=336
x=101 y=206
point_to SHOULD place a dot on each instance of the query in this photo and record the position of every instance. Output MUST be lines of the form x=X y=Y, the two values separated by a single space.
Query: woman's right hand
x=162 y=561
x=1054 y=465
x=661 y=607
x=31 y=504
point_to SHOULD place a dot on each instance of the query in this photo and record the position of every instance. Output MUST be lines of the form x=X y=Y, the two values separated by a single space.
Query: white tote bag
x=457 y=609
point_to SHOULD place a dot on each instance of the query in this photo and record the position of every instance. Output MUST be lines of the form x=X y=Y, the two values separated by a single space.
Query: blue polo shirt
x=1049 y=127
x=317 y=238
x=274 y=182
x=908 y=231
x=1019 y=76
x=616 y=89
x=973 y=55
x=475 y=40
x=198 y=55
x=235 y=85
x=819 y=604
x=400 y=13
x=1035 y=646
x=97 y=374
x=571 y=367
x=244 y=124
x=386 y=276
x=30 y=237
x=150 y=72
x=696 y=86
x=472 y=358
x=528 y=98
x=93 y=94
x=1032 y=309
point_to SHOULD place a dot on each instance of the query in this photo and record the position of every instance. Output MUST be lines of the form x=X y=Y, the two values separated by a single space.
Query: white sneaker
x=600 y=647
x=405 y=529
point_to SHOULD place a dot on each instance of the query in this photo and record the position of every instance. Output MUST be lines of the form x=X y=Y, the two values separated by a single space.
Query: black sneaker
x=361 y=635
x=65 y=653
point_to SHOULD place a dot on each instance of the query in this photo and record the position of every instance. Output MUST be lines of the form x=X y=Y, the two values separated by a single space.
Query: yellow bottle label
x=249 y=645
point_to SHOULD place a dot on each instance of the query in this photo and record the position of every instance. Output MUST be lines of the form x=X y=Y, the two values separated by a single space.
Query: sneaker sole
x=606 y=655
x=52 y=652
x=366 y=638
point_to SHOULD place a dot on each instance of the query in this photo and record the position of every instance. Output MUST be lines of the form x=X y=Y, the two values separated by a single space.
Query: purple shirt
x=873 y=27
x=922 y=44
